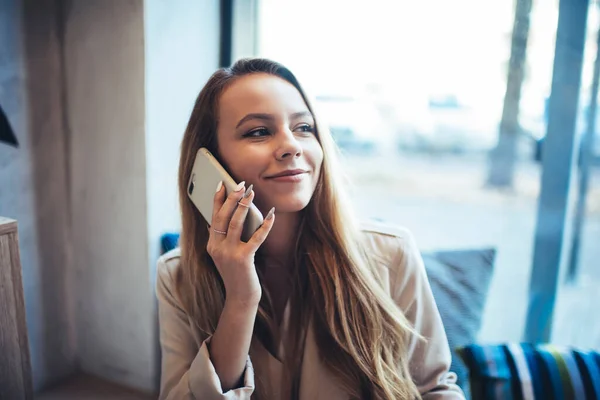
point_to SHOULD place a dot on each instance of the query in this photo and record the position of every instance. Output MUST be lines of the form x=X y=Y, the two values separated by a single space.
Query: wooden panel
x=15 y=367
x=7 y=225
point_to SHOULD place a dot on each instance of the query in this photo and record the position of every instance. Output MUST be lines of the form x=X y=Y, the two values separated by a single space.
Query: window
x=414 y=93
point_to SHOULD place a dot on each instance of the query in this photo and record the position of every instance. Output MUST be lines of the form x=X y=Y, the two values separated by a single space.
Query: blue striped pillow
x=523 y=371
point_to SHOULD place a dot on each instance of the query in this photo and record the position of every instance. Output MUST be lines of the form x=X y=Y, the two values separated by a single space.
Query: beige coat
x=187 y=371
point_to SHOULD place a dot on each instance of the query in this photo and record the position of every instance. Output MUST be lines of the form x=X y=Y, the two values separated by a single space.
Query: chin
x=290 y=204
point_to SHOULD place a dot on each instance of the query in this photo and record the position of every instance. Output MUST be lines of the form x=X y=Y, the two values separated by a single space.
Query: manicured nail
x=271 y=213
x=219 y=186
x=240 y=186
x=248 y=191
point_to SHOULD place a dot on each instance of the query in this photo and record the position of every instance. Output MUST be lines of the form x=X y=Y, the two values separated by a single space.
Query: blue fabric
x=590 y=373
x=169 y=241
x=556 y=373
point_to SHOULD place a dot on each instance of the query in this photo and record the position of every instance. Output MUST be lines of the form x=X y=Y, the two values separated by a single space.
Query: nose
x=288 y=146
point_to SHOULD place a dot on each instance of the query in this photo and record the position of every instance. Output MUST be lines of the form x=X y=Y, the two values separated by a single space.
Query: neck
x=278 y=248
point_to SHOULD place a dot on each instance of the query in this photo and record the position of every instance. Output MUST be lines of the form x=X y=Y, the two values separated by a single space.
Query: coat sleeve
x=429 y=356
x=186 y=370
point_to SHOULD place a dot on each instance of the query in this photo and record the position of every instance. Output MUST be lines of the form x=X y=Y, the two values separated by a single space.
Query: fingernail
x=240 y=186
x=248 y=191
x=271 y=213
x=219 y=186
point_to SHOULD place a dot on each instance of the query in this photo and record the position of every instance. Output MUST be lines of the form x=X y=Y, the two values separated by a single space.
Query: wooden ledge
x=7 y=225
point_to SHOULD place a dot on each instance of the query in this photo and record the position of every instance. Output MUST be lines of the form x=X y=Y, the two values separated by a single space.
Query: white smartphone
x=206 y=174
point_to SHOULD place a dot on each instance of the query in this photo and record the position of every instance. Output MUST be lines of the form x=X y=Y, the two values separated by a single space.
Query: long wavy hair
x=361 y=334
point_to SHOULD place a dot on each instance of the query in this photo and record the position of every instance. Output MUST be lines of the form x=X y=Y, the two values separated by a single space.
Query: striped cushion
x=523 y=371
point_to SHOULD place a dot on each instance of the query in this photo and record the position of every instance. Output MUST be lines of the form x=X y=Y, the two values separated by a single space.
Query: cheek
x=237 y=162
x=249 y=166
x=243 y=171
x=234 y=165
x=315 y=155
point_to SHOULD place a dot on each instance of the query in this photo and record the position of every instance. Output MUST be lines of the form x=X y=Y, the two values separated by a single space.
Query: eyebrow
x=270 y=117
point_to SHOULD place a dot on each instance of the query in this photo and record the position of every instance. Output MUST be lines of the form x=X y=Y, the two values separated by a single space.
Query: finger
x=218 y=200
x=236 y=224
x=261 y=233
x=225 y=211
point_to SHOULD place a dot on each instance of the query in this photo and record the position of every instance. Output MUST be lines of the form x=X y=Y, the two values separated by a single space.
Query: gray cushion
x=460 y=281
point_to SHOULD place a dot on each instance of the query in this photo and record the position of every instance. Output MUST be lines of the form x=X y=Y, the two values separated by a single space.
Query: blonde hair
x=361 y=334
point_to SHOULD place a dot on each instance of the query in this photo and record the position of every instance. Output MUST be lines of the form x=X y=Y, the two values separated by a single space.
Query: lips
x=289 y=172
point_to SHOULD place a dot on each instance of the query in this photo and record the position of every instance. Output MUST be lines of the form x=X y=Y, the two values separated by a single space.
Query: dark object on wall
x=6 y=133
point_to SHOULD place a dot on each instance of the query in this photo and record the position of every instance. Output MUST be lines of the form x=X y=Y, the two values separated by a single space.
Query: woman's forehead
x=260 y=92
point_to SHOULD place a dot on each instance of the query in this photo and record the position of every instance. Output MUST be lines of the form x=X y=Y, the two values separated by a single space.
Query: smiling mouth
x=290 y=178
x=287 y=174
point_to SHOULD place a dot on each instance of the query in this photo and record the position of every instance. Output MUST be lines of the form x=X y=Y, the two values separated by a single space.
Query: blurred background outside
x=414 y=95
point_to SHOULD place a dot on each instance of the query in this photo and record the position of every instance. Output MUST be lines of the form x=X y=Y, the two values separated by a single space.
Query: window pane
x=414 y=100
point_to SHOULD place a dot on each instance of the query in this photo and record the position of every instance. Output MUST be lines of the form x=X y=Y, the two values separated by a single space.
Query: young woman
x=312 y=306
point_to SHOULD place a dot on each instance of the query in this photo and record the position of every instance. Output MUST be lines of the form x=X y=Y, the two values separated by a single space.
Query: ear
x=6 y=133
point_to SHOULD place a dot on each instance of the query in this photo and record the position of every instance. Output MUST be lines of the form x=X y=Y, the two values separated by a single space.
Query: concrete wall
x=104 y=57
x=99 y=93
x=33 y=181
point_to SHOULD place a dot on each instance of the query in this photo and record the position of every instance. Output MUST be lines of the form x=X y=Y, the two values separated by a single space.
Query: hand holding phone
x=234 y=219
x=207 y=172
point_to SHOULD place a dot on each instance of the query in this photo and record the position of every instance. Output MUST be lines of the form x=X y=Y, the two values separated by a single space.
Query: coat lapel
x=317 y=383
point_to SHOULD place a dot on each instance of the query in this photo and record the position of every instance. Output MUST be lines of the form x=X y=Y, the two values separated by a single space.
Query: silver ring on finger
x=243 y=205
x=219 y=232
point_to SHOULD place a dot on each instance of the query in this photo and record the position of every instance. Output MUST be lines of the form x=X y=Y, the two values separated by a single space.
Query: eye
x=258 y=132
x=305 y=128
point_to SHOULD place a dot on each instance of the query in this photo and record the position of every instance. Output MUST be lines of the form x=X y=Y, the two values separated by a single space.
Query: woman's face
x=266 y=137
